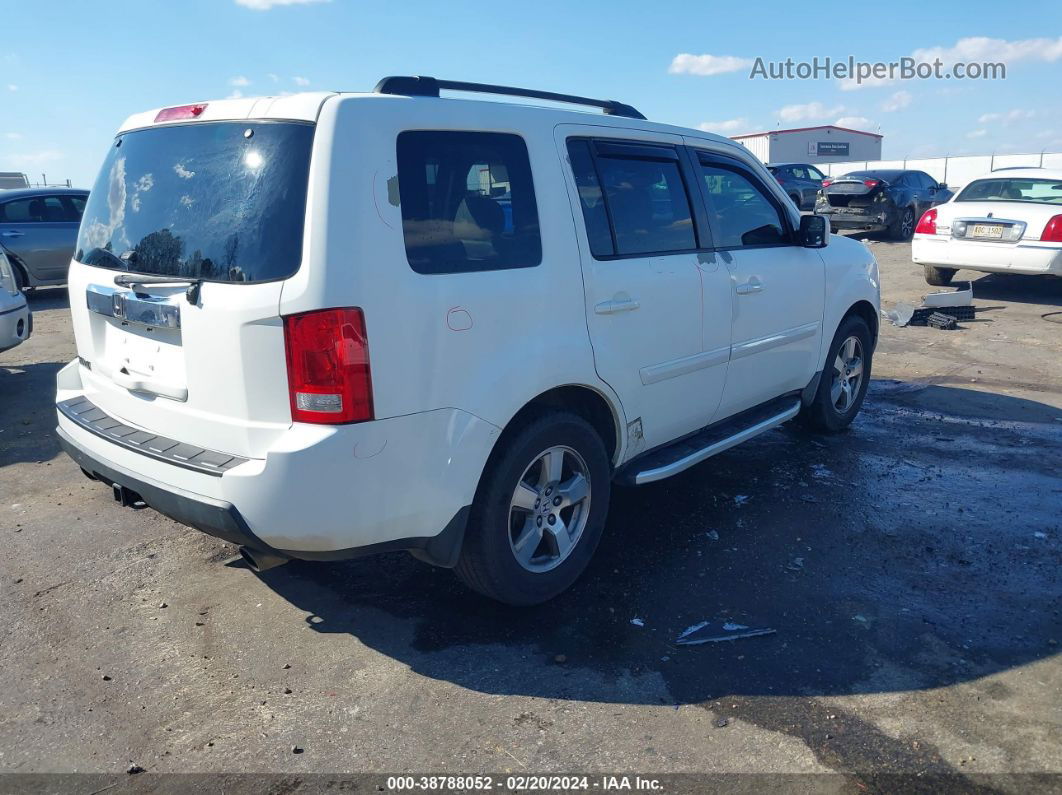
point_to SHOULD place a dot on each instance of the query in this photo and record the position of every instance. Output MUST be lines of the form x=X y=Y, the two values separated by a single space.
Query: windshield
x=219 y=201
x=1013 y=189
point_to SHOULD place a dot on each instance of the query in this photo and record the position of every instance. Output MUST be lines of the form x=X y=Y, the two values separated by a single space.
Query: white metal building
x=823 y=144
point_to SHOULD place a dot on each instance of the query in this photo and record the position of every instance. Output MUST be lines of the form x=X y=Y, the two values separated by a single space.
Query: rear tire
x=939 y=277
x=840 y=395
x=539 y=511
x=796 y=200
x=902 y=228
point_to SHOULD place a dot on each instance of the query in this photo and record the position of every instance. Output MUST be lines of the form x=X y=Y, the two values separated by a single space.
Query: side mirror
x=942 y=186
x=814 y=231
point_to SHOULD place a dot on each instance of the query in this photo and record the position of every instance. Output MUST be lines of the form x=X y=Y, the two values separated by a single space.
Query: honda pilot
x=331 y=324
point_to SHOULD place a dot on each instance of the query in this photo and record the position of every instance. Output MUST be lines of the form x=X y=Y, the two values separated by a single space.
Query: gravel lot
x=910 y=567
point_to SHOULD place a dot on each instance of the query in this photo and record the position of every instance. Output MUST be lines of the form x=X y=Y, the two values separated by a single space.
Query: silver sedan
x=38 y=230
x=16 y=322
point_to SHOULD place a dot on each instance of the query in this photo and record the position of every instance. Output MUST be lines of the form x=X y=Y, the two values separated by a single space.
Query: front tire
x=539 y=511
x=939 y=277
x=844 y=380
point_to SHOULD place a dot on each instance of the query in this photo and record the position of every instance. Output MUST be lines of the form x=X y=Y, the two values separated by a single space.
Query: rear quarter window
x=468 y=202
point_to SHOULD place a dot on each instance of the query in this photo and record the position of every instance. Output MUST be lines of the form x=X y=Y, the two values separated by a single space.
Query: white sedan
x=1009 y=221
x=16 y=323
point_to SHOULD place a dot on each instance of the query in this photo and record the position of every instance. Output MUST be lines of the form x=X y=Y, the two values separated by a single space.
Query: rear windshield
x=219 y=201
x=883 y=175
x=1013 y=189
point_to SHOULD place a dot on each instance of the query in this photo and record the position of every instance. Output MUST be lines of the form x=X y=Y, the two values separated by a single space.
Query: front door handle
x=753 y=285
x=621 y=303
x=12 y=233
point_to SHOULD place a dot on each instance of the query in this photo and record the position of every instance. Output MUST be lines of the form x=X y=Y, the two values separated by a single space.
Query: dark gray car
x=880 y=200
x=802 y=181
x=38 y=229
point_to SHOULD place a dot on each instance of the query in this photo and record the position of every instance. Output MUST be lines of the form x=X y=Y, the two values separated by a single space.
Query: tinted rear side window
x=591 y=198
x=75 y=206
x=649 y=207
x=220 y=201
x=468 y=202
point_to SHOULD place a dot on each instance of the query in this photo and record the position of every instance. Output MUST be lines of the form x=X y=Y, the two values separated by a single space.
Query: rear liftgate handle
x=134 y=384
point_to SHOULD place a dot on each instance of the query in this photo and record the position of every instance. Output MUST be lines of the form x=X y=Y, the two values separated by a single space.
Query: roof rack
x=421 y=86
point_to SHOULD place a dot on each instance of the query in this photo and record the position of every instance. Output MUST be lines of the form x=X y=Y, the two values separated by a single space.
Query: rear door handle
x=621 y=303
x=753 y=285
x=12 y=233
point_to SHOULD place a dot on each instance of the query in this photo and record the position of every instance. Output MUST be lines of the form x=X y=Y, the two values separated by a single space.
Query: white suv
x=330 y=324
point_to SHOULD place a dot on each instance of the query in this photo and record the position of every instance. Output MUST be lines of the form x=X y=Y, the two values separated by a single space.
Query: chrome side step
x=716 y=446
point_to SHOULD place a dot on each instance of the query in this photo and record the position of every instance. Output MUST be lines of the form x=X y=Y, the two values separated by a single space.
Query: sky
x=72 y=70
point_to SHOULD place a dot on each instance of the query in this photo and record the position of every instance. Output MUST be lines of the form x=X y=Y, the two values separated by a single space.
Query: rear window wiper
x=192 y=293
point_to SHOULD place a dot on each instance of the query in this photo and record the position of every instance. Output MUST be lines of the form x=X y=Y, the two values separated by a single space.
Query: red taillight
x=328 y=366
x=827 y=182
x=180 y=112
x=1053 y=231
x=872 y=183
x=927 y=224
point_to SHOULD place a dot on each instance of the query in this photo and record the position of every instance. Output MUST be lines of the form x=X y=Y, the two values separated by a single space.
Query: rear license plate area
x=987 y=231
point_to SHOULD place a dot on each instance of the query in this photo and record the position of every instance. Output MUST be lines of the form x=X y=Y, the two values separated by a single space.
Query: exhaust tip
x=260 y=561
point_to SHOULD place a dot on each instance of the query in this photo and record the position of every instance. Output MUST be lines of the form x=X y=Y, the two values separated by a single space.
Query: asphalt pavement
x=909 y=568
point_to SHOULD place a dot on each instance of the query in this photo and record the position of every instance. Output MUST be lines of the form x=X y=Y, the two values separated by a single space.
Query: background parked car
x=1008 y=221
x=16 y=323
x=882 y=200
x=802 y=181
x=38 y=229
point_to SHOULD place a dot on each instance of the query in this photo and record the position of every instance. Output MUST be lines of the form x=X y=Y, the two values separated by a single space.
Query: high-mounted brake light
x=328 y=366
x=827 y=182
x=1053 y=231
x=181 y=112
x=872 y=183
x=927 y=224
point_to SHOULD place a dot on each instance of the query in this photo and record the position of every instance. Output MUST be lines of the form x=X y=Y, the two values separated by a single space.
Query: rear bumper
x=16 y=324
x=320 y=492
x=222 y=520
x=876 y=221
x=1027 y=259
x=214 y=517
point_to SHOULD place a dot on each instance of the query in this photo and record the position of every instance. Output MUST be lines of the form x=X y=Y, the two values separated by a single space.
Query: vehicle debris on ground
x=940 y=310
x=703 y=632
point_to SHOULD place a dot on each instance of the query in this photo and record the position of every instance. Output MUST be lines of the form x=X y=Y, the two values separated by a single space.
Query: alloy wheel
x=847 y=374
x=549 y=509
x=907 y=223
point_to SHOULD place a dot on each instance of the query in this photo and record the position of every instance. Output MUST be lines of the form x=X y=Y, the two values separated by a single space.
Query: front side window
x=219 y=201
x=1013 y=189
x=815 y=174
x=468 y=202
x=648 y=204
x=37 y=209
x=738 y=210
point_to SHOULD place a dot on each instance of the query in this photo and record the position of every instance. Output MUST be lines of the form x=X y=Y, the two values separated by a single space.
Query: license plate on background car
x=987 y=230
